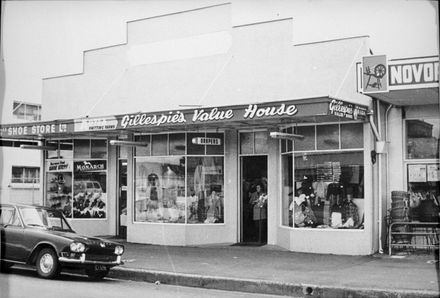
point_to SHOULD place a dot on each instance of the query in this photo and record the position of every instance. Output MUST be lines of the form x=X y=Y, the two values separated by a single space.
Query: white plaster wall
x=18 y=157
x=273 y=191
x=396 y=170
x=261 y=65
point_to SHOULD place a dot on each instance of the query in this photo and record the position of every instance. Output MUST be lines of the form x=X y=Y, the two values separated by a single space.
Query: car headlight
x=77 y=247
x=119 y=250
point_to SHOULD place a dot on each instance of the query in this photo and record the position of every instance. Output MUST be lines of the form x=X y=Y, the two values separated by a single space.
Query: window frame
x=414 y=161
x=72 y=159
x=26 y=116
x=293 y=153
x=22 y=183
x=184 y=155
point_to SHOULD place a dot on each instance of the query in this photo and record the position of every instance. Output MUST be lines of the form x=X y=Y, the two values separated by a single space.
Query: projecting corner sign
x=347 y=110
x=376 y=74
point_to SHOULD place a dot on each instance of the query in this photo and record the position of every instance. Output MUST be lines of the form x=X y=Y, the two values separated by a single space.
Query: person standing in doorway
x=259 y=202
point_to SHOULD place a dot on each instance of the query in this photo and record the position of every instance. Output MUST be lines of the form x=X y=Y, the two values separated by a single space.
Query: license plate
x=100 y=268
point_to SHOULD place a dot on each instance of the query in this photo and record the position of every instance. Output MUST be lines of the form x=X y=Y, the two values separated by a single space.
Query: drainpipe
x=387 y=112
x=379 y=165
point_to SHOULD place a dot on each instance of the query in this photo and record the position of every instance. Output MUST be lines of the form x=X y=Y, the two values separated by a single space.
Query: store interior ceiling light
x=286 y=136
x=128 y=143
x=37 y=147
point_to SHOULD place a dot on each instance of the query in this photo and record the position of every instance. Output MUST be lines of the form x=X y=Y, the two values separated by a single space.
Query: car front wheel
x=47 y=263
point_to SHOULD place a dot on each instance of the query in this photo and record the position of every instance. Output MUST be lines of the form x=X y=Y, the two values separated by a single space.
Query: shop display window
x=218 y=148
x=89 y=191
x=160 y=189
x=186 y=188
x=144 y=150
x=205 y=190
x=98 y=148
x=59 y=191
x=324 y=188
x=424 y=191
x=64 y=149
x=76 y=178
x=193 y=148
x=177 y=144
x=89 y=148
x=327 y=137
x=422 y=138
x=352 y=136
x=159 y=145
x=81 y=148
x=308 y=143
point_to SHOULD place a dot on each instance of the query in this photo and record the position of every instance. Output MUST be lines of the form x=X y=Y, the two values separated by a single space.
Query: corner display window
x=324 y=189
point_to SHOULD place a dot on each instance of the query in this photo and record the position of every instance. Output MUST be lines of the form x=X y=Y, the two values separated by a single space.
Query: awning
x=269 y=114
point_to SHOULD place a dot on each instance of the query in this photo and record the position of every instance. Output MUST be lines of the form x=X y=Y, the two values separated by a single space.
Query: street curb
x=260 y=286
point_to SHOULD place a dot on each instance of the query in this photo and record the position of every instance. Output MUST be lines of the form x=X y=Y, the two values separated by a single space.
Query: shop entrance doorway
x=122 y=199
x=254 y=183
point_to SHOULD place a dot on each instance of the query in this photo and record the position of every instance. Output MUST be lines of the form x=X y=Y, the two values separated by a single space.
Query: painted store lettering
x=254 y=111
x=143 y=119
x=214 y=114
x=36 y=129
x=414 y=73
x=43 y=129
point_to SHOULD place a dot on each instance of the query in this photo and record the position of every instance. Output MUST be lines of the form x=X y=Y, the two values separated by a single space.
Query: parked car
x=42 y=237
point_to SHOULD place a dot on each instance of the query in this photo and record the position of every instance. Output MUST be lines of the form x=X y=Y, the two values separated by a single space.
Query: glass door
x=254 y=200
x=122 y=199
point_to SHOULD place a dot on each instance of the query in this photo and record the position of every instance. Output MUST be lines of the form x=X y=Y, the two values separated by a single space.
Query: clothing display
x=323 y=204
x=214 y=211
x=350 y=210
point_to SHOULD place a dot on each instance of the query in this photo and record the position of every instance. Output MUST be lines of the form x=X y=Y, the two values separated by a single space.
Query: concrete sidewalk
x=272 y=270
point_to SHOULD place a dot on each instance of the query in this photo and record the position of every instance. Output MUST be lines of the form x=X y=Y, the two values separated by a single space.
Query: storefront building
x=406 y=102
x=250 y=140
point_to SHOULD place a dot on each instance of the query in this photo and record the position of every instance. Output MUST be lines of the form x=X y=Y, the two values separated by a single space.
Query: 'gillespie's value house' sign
x=207 y=115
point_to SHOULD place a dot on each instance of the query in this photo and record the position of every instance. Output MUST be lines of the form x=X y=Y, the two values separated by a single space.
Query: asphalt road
x=25 y=283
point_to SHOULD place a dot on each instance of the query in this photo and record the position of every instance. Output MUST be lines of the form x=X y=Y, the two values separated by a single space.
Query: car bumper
x=83 y=260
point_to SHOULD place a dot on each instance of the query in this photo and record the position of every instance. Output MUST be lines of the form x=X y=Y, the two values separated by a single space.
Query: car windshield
x=39 y=217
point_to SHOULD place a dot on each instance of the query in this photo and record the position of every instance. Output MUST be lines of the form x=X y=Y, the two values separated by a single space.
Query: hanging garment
x=199 y=178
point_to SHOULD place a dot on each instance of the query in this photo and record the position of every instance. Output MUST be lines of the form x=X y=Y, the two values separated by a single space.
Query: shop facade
x=273 y=144
x=406 y=101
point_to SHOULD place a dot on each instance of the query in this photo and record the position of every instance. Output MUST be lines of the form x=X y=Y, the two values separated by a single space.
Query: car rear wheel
x=96 y=274
x=47 y=263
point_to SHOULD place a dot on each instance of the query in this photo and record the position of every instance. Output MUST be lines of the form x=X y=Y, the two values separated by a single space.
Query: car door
x=12 y=235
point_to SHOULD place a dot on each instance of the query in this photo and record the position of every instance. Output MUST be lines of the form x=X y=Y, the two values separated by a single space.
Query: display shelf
x=434 y=226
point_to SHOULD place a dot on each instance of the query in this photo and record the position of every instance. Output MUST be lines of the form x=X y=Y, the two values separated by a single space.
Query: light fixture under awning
x=128 y=143
x=286 y=136
x=37 y=147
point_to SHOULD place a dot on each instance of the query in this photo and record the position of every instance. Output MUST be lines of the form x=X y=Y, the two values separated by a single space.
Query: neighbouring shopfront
x=407 y=95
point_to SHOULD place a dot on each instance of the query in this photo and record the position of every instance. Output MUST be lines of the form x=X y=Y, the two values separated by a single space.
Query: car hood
x=84 y=239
